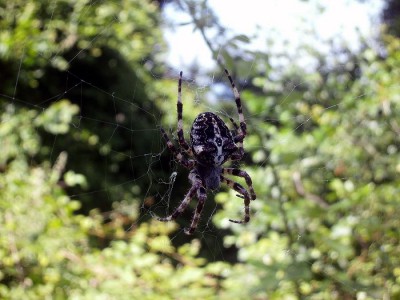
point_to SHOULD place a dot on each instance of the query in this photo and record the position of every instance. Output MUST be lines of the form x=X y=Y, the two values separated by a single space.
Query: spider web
x=163 y=194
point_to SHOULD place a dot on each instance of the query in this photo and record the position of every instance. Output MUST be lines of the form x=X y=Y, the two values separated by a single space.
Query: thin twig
x=298 y=184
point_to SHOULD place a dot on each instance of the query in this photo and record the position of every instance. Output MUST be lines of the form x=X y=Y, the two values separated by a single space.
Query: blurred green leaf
x=58 y=117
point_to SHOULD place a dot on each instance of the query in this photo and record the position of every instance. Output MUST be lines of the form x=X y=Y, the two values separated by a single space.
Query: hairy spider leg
x=188 y=163
x=181 y=208
x=242 y=130
x=238 y=154
x=196 y=183
x=202 y=197
x=243 y=174
x=179 y=107
x=243 y=194
x=234 y=124
x=197 y=186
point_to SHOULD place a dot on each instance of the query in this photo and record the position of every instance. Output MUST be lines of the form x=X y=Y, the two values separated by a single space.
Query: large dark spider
x=211 y=145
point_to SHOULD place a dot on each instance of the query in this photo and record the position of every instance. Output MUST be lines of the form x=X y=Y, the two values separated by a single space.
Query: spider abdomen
x=210 y=176
x=212 y=142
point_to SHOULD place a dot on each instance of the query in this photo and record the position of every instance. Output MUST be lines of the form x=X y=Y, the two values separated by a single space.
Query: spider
x=211 y=145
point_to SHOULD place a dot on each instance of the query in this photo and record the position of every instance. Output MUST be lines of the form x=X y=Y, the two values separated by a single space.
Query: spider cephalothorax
x=211 y=145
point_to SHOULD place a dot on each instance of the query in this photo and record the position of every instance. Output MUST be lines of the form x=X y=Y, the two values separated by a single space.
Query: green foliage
x=42 y=31
x=324 y=225
x=58 y=118
x=47 y=250
x=326 y=220
x=323 y=152
x=68 y=50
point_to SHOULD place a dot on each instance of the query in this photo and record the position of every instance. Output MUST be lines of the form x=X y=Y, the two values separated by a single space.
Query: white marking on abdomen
x=219 y=158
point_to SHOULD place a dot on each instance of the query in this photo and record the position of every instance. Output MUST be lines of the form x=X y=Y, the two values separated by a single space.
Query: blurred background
x=84 y=89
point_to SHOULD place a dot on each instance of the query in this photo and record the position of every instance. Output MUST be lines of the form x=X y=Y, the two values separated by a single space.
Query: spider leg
x=181 y=208
x=196 y=183
x=243 y=174
x=188 y=163
x=236 y=130
x=197 y=186
x=179 y=131
x=242 y=129
x=234 y=124
x=202 y=197
x=243 y=194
